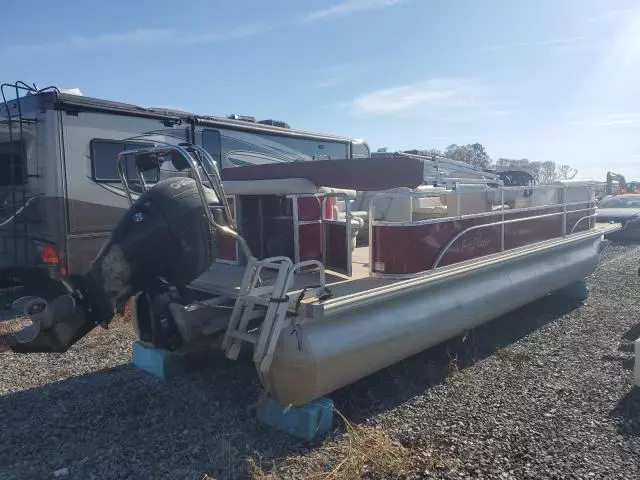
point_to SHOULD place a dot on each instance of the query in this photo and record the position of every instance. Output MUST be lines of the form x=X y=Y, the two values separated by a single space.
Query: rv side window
x=104 y=167
x=11 y=161
x=211 y=143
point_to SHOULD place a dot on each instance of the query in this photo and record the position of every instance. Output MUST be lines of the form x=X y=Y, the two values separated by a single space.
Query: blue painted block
x=309 y=422
x=161 y=363
x=576 y=291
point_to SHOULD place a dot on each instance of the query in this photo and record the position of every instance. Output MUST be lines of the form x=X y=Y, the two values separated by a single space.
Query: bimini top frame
x=183 y=157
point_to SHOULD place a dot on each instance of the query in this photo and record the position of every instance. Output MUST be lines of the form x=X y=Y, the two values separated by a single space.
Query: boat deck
x=225 y=279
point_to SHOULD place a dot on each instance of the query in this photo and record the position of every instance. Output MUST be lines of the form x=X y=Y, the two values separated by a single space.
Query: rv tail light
x=49 y=254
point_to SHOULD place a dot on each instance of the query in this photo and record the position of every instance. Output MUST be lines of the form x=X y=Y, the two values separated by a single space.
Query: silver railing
x=502 y=212
x=594 y=215
x=195 y=157
x=321 y=221
x=453 y=239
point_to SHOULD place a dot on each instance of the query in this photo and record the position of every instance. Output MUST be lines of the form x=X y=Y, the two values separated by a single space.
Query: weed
x=362 y=451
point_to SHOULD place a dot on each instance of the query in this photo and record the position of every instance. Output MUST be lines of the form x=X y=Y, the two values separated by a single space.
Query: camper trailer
x=60 y=192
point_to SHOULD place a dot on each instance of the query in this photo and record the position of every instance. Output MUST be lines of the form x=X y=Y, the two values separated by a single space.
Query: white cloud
x=137 y=38
x=417 y=96
x=77 y=42
x=631 y=119
x=240 y=32
x=349 y=7
x=157 y=36
x=540 y=43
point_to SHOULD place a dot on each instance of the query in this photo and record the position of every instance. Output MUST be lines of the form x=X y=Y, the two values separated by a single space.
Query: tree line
x=476 y=155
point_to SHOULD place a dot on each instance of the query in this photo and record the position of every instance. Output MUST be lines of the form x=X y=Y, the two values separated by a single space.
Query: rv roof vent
x=275 y=123
x=244 y=118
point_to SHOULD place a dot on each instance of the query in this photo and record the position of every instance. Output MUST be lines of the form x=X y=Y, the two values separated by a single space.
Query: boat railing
x=593 y=215
x=391 y=223
x=457 y=236
x=568 y=208
x=459 y=216
x=195 y=157
x=324 y=219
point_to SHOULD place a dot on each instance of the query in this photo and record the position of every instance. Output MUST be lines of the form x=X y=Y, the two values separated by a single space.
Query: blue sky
x=545 y=80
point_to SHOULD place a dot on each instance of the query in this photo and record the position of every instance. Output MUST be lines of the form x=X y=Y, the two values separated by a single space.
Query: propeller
x=43 y=315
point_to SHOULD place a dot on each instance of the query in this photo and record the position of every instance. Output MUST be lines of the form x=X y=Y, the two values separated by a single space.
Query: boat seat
x=467 y=202
x=387 y=208
x=357 y=223
x=350 y=193
x=392 y=209
x=430 y=212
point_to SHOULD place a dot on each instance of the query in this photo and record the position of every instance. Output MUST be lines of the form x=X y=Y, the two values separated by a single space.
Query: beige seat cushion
x=386 y=208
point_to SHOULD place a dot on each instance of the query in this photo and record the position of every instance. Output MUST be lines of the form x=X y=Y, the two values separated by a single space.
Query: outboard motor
x=163 y=240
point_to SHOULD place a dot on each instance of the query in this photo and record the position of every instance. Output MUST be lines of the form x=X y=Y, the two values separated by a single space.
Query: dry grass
x=362 y=452
x=454 y=365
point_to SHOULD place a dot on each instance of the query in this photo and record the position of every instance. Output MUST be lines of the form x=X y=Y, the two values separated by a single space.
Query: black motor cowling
x=163 y=239
x=165 y=234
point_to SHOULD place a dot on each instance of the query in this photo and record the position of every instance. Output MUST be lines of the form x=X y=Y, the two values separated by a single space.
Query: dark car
x=624 y=209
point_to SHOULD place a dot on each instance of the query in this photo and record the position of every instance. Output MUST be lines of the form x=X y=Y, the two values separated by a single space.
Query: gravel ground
x=544 y=392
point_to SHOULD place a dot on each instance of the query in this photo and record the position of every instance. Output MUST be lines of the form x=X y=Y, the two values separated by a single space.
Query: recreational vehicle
x=60 y=193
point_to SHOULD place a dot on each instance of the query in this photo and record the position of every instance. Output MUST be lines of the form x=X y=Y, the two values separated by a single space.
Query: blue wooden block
x=161 y=363
x=309 y=422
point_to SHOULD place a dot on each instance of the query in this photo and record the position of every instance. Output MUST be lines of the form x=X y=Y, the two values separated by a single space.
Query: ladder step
x=256 y=300
x=247 y=337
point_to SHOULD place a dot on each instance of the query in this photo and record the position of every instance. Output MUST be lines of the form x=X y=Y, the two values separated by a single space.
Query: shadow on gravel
x=397 y=384
x=632 y=334
x=123 y=423
x=627 y=414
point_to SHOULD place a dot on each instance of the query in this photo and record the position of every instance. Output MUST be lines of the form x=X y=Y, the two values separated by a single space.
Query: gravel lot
x=545 y=392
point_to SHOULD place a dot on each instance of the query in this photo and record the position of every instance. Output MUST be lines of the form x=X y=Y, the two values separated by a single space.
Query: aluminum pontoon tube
x=323 y=355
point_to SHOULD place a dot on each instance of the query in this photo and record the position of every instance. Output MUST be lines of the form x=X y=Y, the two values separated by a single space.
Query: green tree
x=543 y=172
x=473 y=154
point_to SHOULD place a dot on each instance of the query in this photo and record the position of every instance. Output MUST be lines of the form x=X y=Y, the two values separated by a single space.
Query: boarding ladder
x=272 y=297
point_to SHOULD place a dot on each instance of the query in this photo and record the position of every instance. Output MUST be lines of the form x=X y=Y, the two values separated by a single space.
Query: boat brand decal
x=476 y=243
x=179 y=184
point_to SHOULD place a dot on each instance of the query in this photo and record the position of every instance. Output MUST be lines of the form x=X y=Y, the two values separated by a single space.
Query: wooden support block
x=309 y=422
x=160 y=363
